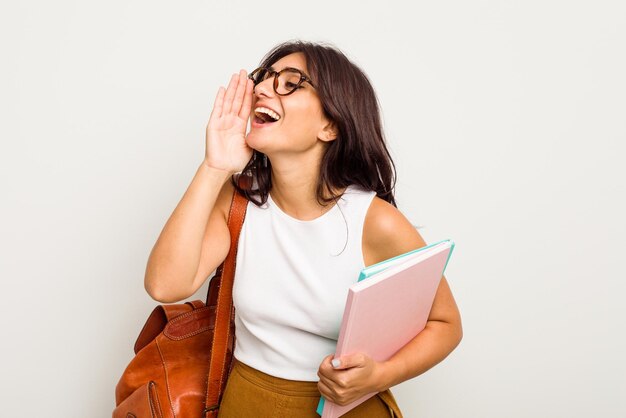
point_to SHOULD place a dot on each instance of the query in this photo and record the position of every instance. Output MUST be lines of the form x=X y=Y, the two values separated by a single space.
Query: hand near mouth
x=226 y=147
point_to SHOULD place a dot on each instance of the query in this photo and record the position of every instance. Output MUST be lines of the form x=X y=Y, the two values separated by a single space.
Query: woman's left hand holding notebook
x=355 y=376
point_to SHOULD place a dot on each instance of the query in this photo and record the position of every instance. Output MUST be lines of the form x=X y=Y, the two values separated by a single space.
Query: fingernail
x=336 y=363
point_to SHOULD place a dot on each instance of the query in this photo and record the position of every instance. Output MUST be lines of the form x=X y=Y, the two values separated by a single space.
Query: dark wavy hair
x=359 y=155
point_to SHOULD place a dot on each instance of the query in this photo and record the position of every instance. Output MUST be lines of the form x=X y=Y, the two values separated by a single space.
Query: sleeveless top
x=291 y=284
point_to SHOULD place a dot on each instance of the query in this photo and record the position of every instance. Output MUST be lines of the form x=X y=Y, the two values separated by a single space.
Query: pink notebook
x=388 y=307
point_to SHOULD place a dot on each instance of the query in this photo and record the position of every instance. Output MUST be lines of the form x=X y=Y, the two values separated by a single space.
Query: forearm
x=428 y=348
x=176 y=253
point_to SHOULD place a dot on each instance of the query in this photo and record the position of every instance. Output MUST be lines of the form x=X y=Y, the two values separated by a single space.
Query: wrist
x=216 y=173
x=386 y=376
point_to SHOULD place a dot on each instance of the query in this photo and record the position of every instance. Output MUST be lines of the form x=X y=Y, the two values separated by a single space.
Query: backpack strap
x=223 y=336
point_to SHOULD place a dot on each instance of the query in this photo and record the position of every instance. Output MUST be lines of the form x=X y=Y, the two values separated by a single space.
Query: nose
x=265 y=88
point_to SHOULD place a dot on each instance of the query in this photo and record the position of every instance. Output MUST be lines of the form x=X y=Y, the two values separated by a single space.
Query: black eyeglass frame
x=276 y=74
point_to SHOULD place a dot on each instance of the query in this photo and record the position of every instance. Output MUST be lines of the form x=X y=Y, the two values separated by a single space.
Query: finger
x=230 y=93
x=218 y=104
x=241 y=89
x=246 y=107
x=327 y=374
x=337 y=363
x=326 y=360
x=325 y=391
x=331 y=393
x=329 y=383
x=347 y=362
x=324 y=370
x=326 y=366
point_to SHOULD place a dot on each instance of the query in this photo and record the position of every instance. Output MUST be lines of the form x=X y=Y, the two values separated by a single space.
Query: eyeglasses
x=286 y=81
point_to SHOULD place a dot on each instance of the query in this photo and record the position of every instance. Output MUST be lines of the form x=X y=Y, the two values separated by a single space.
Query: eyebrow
x=288 y=68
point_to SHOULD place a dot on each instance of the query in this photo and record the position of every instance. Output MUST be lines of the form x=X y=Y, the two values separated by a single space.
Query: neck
x=294 y=185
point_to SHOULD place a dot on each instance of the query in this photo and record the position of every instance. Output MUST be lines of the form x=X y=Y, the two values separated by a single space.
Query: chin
x=256 y=141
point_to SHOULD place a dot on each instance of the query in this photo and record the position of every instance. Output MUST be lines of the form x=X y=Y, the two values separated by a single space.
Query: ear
x=329 y=132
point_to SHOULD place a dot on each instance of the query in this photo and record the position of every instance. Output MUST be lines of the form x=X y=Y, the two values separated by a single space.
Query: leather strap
x=224 y=315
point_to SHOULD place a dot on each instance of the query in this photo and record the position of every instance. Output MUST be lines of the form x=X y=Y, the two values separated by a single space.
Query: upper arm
x=216 y=240
x=388 y=233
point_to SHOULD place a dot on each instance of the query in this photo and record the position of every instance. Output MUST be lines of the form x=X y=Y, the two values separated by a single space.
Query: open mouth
x=262 y=121
x=263 y=116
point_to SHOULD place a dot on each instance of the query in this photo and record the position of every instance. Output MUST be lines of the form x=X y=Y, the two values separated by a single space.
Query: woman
x=321 y=208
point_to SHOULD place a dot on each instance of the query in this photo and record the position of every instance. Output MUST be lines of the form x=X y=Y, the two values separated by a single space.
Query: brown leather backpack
x=184 y=351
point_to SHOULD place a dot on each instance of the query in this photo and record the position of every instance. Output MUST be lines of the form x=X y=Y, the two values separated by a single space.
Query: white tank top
x=291 y=284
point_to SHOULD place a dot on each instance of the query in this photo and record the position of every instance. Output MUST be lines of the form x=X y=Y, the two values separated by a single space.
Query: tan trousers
x=251 y=393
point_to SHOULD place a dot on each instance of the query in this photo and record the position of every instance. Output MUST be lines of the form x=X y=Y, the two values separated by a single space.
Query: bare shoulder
x=387 y=233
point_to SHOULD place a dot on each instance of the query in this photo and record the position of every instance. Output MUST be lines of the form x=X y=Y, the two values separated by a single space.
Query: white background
x=506 y=120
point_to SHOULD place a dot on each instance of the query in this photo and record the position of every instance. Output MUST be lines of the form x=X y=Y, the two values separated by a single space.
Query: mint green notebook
x=378 y=267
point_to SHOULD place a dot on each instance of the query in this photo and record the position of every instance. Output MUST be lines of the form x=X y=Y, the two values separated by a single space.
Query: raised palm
x=226 y=147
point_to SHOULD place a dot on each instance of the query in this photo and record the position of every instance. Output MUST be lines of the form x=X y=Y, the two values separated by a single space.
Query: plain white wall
x=506 y=121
